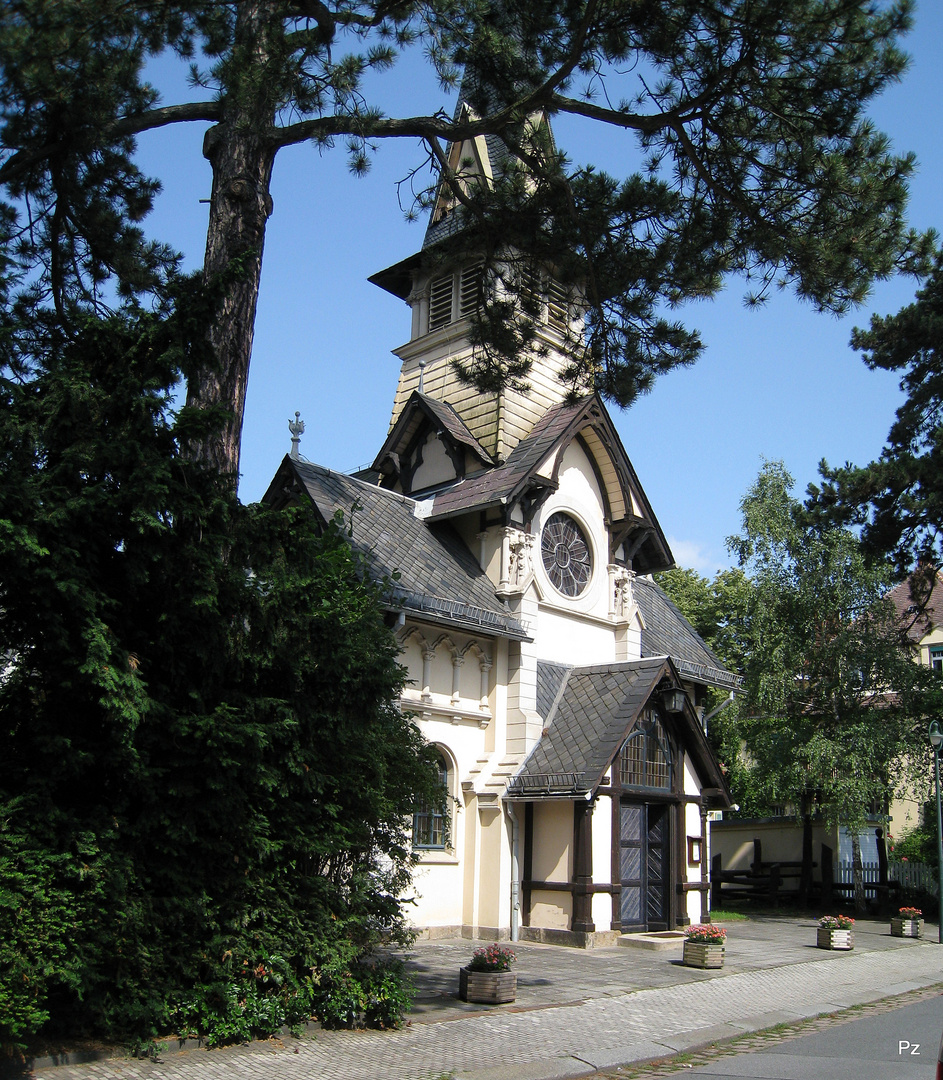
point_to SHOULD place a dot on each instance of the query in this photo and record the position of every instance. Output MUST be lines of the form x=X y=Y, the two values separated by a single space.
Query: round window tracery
x=566 y=554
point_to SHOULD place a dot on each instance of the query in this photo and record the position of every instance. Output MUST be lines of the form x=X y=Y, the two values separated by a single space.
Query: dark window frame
x=429 y=823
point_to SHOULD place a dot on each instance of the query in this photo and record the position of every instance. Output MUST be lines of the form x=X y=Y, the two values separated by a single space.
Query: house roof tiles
x=918 y=614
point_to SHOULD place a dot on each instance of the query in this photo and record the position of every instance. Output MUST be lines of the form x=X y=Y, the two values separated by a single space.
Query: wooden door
x=644 y=866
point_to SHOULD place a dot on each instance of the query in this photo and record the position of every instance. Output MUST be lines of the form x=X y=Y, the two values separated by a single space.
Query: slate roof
x=433 y=563
x=591 y=711
x=498 y=157
x=668 y=633
x=398 y=278
x=502 y=484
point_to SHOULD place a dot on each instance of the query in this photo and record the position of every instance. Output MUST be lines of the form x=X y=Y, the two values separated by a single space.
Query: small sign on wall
x=694 y=851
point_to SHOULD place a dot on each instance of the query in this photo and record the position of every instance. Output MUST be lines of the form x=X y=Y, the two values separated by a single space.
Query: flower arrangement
x=706 y=934
x=836 y=922
x=910 y=913
x=492 y=958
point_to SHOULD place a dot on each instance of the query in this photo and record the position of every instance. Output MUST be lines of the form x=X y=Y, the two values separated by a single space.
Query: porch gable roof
x=589 y=711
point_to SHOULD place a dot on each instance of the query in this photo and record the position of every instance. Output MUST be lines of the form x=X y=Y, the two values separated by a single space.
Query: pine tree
x=748 y=154
x=898 y=499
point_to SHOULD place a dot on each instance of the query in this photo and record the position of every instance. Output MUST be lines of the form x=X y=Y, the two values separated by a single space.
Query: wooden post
x=883 y=889
x=805 y=875
x=582 y=921
x=757 y=856
x=528 y=863
x=716 y=884
x=775 y=881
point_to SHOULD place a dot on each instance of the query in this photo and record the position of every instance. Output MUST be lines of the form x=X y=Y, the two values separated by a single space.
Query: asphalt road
x=900 y=1044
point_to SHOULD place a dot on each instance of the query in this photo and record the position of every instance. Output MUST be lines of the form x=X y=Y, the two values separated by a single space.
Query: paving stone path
x=595 y=1023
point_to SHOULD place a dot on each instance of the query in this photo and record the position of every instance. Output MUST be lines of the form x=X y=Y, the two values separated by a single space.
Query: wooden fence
x=911 y=875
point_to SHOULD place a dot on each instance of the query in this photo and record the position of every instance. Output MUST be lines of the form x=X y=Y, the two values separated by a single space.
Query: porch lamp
x=673 y=700
x=936 y=740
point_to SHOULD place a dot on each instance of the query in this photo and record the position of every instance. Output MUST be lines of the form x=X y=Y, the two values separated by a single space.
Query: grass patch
x=729 y=916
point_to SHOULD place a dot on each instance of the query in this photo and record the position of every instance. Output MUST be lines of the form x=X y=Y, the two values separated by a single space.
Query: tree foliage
x=898 y=499
x=206 y=773
x=831 y=687
x=749 y=155
x=718 y=609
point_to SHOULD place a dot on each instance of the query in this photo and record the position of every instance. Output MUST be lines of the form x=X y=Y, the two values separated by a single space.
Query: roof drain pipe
x=515 y=872
x=729 y=700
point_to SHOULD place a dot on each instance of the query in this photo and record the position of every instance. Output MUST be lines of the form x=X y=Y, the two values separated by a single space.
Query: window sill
x=436 y=858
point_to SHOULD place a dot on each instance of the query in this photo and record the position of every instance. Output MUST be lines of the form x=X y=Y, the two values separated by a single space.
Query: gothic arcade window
x=429 y=832
x=645 y=760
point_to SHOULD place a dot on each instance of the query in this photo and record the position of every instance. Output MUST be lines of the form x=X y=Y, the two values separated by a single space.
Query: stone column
x=428 y=655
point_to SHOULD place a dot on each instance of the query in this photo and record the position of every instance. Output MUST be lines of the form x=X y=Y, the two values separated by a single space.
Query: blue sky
x=778 y=383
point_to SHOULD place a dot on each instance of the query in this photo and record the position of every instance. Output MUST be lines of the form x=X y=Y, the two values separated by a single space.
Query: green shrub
x=374 y=992
x=918 y=845
x=254 y=1000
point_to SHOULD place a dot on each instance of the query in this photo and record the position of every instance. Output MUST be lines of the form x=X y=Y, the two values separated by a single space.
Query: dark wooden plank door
x=644 y=866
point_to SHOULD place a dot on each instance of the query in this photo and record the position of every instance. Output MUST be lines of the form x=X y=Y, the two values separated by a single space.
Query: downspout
x=729 y=700
x=515 y=872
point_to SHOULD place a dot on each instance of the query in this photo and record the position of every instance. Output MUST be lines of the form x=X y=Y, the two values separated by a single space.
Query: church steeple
x=443 y=293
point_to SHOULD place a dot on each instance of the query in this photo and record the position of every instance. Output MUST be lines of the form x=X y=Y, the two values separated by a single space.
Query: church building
x=562 y=690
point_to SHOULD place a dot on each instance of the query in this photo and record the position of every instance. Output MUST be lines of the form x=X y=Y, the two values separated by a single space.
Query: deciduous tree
x=831 y=687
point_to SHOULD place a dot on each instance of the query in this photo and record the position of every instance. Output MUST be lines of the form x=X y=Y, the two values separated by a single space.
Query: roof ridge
x=376 y=488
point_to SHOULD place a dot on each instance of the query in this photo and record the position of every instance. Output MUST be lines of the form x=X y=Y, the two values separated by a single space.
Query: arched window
x=429 y=822
x=645 y=760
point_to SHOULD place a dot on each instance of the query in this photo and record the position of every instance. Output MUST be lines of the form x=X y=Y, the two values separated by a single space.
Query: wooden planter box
x=487 y=987
x=906 y=927
x=701 y=954
x=835 y=939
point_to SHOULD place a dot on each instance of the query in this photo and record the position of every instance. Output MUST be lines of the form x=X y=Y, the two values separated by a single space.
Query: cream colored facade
x=509 y=867
x=560 y=687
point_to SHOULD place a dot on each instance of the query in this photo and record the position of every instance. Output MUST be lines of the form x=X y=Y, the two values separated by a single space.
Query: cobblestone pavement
x=577 y=1012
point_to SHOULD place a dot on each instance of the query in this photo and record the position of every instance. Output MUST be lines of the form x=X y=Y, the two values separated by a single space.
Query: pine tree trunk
x=241 y=154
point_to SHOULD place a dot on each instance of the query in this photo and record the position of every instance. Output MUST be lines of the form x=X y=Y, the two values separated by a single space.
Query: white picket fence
x=911 y=875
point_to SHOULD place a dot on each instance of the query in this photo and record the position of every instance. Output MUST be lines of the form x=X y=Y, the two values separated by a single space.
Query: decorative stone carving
x=428 y=655
x=517 y=561
x=621 y=597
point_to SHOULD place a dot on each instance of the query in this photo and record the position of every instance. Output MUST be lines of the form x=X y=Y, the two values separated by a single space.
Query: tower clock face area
x=566 y=554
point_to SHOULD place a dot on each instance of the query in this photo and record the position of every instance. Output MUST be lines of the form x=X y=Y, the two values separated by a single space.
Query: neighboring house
x=922 y=619
x=560 y=686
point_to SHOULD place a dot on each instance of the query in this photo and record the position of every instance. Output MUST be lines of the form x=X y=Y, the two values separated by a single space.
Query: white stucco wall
x=602 y=861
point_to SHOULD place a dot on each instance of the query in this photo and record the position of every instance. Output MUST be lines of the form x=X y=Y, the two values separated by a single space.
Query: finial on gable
x=422 y=372
x=297 y=429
